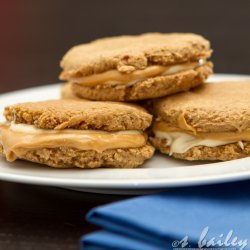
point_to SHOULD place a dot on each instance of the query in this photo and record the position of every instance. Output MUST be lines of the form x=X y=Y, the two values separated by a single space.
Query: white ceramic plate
x=160 y=172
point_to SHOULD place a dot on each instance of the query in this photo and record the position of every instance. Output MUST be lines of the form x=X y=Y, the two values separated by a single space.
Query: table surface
x=39 y=217
x=34 y=40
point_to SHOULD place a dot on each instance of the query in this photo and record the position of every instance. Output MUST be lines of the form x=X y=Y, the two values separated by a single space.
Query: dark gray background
x=35 y=34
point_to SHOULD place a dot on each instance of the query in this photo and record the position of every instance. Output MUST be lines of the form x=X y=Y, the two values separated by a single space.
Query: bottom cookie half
x=226 y=152
x=150 y=88
x=65 y=157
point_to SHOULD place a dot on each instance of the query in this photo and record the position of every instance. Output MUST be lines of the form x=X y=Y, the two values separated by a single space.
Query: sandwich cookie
x=130 y=68
x=67 y=93
x=71 y=133
x=210 y=122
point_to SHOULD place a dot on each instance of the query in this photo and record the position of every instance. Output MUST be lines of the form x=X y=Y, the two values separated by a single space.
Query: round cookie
x=75 y=114
x=226 y=152
x=130 y=68
x=210 y=122
x=67 y=93
x=72 y=133
x=71 y=157
x=147 y=89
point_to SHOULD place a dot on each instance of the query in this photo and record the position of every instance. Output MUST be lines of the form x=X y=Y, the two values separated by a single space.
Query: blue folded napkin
x=104 y=240
x=210 y=216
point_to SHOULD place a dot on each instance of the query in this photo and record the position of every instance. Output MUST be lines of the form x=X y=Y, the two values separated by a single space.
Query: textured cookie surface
x=212 y=107
x=67 y=93
x=64 y=157
x=227 y=152
x=129 y=53
x=146 y=89
x=62 y=114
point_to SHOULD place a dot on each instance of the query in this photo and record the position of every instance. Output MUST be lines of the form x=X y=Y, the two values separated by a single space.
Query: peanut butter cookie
x=130 y=68
x=72 y=133
x=210 y=122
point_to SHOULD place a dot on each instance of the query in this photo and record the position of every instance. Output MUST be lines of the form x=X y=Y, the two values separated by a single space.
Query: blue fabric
x=104 y=240
x=160 y=219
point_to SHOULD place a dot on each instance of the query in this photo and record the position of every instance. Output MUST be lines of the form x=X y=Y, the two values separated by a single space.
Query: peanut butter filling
x=181 y=139
x=18 y=139
x=116 y=77
x=185 y=128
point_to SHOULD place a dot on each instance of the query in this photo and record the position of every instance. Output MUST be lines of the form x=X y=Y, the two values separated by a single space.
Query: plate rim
x=150 y=183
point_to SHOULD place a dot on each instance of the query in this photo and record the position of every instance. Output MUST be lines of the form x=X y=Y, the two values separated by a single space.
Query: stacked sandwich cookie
x=131 y=68
x=71 y=133
x=92 y=126
x=67 y=93
x=211 y=122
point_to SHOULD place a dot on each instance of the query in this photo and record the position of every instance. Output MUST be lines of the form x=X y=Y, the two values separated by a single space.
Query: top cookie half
x=137 y=67
x=73 y=114
x=222 y=107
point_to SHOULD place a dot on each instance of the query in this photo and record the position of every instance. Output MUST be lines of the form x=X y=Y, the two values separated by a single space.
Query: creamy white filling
x=180 y=67
x=31 y=129
x=18 y=139
x=176 y=69
x=180 y=142
x=115 y=77
x=241 y=145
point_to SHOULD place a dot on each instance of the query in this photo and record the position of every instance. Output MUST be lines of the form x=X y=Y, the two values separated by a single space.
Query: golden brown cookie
x=75 y=114
x=69 y=157
x=130 y=68
x=210 y=122
x=67 y=93
x=72 y=133
x=226 y=152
